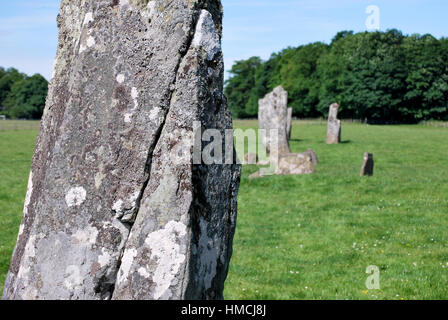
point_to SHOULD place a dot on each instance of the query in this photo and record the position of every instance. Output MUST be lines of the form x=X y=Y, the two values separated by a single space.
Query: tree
x=26 y=99
x=427 y=82
x=296 y=72
x=240 y=88
x=7 y=80
x=381 y=76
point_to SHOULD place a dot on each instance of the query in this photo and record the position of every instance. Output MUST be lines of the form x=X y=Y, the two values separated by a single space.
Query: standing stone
x=313 y=156
x=334 y=125
x=111 y=212
x=289 y=123
x=367 y=165
x=290 y=164
x=273 y=114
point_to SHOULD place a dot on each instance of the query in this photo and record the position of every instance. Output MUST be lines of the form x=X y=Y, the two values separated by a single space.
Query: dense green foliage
x=378 y=76
x=22 y=97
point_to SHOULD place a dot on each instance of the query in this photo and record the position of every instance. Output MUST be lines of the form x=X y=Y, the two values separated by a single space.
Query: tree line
x=22 y=96
x=374 y=76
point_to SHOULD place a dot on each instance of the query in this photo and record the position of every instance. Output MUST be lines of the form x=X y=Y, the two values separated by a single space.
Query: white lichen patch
x=82 y=48
x=134 y=196
x=134 y=95
x=72 y=277
x=88 y=18
x=75 y=196
x=120 y=78
x=85 y=237
x=117 y=205
x=207 y=36
x=29 y=192
x=143 y=272
x=90 y=42
x=155 y=114
x=128 y=117
x=168 y=249
x=104 y=259
x=126 y=264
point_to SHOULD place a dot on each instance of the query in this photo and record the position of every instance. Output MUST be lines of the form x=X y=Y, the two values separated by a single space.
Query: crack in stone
x=148 y=166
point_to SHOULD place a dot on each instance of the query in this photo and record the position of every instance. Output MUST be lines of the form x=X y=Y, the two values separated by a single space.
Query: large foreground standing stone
x=273 y=114
x=334 y=125
x=111 y=212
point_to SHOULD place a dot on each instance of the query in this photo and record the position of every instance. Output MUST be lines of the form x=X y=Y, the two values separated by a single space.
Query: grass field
x=313 y=236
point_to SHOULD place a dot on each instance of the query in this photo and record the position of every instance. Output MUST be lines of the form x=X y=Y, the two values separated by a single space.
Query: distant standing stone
x=289 y=123
x=273 y=114
x=334 y=125
x=367 y=165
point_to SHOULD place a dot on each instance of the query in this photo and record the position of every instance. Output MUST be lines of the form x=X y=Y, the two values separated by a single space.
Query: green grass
x=313 y=236
x=16 y=151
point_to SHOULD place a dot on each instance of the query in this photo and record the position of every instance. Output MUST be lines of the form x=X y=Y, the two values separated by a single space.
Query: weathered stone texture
x=334 y=125
x=273 y=114
x=295 y=163
x=367 y=165
x=110 y=213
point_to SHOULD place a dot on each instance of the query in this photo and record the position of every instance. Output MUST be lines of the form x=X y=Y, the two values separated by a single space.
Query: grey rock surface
x=334 y=125
x=273 y=114
x=367 y=165
x=112 y=209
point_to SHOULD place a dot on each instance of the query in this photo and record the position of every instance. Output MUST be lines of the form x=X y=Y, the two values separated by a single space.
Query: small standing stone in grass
x=289 y=124
x=334 y=125
x=367 y=165
x=313 y=156
x=272 y=114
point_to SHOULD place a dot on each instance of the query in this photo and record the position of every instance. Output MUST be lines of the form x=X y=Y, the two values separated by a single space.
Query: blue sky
x=28 y=32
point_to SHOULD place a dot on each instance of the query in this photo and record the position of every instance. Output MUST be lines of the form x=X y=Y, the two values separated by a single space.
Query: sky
x=28 y=31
